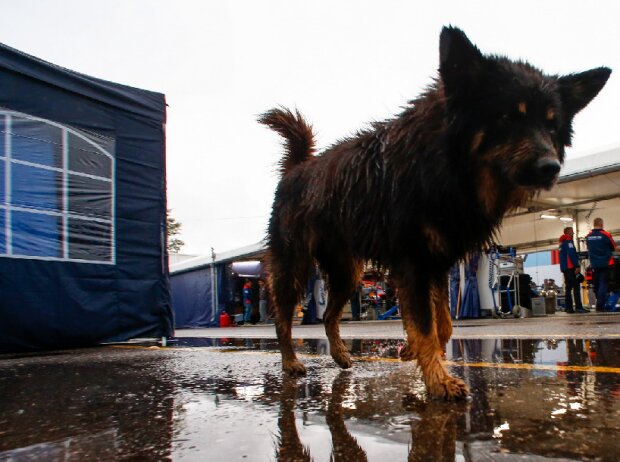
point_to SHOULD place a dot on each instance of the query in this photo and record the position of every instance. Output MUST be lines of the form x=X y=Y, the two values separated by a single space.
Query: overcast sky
x=341 y=63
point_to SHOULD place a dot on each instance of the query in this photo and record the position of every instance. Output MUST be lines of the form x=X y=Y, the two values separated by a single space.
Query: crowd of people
x=248 y=302
x=601 y=247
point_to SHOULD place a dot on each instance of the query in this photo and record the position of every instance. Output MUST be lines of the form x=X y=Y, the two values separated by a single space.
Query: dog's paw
x=294 y=368
x=448 y=389
x=343 y=360
x=407 y=353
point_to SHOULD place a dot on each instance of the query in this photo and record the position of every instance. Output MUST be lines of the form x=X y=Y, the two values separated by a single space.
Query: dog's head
x=509 y=116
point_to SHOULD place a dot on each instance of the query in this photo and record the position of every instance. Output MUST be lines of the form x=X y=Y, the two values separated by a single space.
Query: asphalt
x=542 y=389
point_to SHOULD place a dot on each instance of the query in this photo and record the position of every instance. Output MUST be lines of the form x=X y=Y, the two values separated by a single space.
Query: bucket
x=225 y=320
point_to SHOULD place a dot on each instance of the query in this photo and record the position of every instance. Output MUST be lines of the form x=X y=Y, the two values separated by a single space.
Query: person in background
x=247 y=302
x=262 y=301
x=579 y=277
x=569 y=263
x=600 y=247
x=356 y=302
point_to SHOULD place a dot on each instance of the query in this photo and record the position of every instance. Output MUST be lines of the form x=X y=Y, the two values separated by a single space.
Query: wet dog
x=417 y=193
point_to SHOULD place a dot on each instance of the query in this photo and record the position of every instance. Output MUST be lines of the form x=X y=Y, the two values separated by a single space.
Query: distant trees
x=174 y=229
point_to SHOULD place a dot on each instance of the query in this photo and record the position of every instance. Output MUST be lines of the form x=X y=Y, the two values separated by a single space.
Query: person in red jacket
x=569 y=262
x=247 y=302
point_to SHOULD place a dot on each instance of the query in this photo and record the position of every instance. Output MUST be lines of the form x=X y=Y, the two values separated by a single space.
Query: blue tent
x=82 y=208
x=193 y=298
x=195 y=292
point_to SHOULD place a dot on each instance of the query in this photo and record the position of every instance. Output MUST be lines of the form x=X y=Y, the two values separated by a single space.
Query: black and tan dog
x=416 y=193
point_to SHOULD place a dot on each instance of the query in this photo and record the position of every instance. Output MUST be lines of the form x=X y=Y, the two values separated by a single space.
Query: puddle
x=226 y=399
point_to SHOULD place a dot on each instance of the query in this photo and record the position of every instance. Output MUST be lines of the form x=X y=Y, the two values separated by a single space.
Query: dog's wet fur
x=417 y=193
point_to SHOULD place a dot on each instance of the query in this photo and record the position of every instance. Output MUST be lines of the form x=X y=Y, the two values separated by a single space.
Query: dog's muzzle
x=546 y=171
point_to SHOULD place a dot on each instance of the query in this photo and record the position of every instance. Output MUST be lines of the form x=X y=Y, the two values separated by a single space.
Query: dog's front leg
x=423 y=342
x=441 y=308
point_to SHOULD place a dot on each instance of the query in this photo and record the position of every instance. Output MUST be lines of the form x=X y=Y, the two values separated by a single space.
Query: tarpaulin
x=192 y=298
x=470 y=299
x=225 y=291
x=82 y=208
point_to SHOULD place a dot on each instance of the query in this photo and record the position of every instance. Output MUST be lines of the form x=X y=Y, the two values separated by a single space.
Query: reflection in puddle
x=558 y=402
x=202 y=401
x=513 y=351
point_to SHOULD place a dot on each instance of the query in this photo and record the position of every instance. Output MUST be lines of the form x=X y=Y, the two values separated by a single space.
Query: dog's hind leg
x=337 y=298
x=423 y=340
x=286 y=290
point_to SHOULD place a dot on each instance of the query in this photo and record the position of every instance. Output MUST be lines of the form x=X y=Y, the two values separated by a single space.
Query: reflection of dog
x=433 y=435
x=344 y=445
x=416 y=193
x=289 y=445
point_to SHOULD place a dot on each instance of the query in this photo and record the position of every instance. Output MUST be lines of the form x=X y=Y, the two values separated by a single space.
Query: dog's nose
x=548 y=168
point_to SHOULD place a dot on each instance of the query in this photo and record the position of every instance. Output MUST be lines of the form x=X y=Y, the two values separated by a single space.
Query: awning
x=589 y=187
x=247 y=269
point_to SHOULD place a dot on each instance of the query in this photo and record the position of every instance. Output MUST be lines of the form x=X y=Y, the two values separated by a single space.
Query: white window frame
x=7 y=207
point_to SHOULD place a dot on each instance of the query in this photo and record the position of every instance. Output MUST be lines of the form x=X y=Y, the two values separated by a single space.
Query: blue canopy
x=82 y=208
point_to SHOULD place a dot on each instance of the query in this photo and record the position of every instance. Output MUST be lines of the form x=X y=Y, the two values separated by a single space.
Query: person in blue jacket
x=568 y=265
x=600 y=248
x=247 y=302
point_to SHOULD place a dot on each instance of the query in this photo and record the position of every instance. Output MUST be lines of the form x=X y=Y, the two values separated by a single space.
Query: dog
x=417 y=193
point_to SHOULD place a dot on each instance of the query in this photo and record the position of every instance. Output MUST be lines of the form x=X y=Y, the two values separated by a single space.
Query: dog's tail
x=297 y=134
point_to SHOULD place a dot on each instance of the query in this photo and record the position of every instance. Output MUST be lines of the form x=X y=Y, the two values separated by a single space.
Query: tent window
x=56 y=191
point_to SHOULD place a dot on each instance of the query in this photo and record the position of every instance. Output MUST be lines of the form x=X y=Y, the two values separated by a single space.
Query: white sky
x=341 y=63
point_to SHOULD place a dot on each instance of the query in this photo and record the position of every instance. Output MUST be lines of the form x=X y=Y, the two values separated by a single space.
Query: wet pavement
x=225 y=399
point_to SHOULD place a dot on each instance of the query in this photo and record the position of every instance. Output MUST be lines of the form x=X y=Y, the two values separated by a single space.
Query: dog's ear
x=460 y=62
x=577 y=90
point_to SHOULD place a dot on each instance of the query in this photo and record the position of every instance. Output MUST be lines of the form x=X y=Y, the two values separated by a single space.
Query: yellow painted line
x=522 y=366
x=526 y=366
x=599 y=336
x=142 y=347
x=544 y=367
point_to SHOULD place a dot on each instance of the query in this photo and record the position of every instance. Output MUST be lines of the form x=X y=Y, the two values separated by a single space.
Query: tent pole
x=577 y=230
x=215 y=295
x=213 y=288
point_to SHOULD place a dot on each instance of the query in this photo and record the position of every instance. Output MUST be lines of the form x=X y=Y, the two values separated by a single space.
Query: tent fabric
x=192 y=296
x=192 y=299
x=470 y=299
x=82 y=254
x=467 y=305
x=132 y=100
x=225 y=295
x=454 y=282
